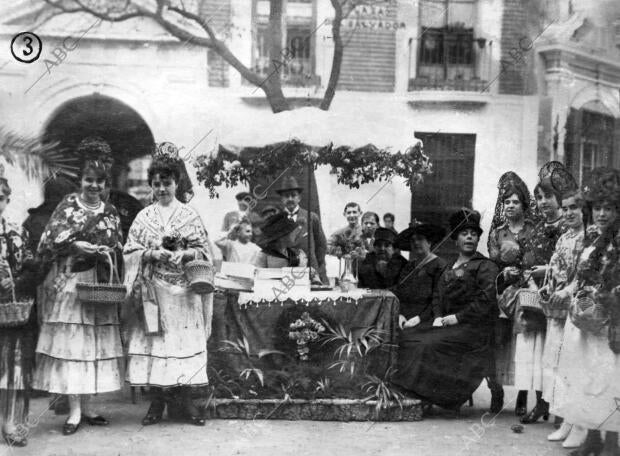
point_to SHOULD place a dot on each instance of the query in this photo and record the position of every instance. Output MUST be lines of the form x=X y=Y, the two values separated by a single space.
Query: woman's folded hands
x=448 y=320
x=403 y=322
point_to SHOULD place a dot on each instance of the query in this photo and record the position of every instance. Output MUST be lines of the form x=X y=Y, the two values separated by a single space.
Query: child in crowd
x=237 y=246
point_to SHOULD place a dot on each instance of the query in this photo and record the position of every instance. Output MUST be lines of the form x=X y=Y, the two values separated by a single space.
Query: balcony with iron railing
x=450 y=59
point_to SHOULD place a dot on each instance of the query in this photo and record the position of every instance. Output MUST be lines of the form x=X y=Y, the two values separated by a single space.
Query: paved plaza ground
x=439 y=434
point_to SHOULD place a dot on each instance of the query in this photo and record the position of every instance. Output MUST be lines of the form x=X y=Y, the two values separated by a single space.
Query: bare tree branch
x=272 y=85
x=334 y=76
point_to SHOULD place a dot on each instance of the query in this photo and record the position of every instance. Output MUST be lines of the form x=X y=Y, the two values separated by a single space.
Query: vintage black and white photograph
x=309 y=227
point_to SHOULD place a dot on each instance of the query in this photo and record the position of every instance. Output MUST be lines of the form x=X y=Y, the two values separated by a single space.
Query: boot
x=174 y=404
x=540 y=410
x=592 y=446
x=561 y=433
x=497 y=397
x=611 y=444
x=521 y=404
x=156 y=410
x=190 y=409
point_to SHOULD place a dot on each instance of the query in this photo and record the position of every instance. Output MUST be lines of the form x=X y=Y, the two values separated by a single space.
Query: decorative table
x=306 y=355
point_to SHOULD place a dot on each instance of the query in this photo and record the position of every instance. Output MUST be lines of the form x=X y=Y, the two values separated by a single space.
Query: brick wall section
x=513 y=73
x=369 y=57
x=218 y=13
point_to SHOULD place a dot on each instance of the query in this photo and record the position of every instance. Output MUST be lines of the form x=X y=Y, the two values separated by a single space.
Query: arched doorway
x=119 y=125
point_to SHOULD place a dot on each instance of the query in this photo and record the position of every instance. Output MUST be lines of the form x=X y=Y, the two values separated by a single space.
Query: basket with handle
x=103 y=293
x=557 y=311
x=15 y=313
x=587 y=313
x=201 y=275
x=529 y=299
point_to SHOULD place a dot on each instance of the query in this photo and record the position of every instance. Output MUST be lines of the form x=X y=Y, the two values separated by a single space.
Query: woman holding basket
x=558 y=292
x=17 y=337
x=79 y=349
x=170 y=322
x=510 y=230
x=589 y=365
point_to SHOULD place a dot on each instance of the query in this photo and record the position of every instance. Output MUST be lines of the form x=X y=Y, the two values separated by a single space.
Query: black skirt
x=443 y=365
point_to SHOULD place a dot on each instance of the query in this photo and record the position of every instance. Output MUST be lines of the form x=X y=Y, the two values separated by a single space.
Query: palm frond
x=38 y=160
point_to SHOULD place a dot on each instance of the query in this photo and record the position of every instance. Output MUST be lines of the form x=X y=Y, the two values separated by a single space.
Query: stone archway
x=117 y=123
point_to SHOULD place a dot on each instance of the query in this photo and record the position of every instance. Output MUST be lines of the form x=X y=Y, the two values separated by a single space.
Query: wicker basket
x=529 y=299
x=15 y=313
x=201 y=276
x=103 y=293
x=587 y=314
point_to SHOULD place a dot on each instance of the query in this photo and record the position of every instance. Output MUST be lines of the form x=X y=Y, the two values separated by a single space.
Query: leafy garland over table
x=352 y=167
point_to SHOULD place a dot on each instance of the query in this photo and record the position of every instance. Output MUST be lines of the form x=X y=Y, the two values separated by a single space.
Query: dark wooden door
x=451 y=184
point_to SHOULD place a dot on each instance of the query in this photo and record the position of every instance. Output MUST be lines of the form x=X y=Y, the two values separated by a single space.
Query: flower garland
x=352 y=167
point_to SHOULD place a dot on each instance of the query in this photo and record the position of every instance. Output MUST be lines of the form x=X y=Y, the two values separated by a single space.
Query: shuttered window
x=451 y=184
x=589 y=142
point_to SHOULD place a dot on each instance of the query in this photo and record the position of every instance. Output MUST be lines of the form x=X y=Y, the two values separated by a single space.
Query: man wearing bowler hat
x=382 y=266
x=290 y=195
x=234 y=217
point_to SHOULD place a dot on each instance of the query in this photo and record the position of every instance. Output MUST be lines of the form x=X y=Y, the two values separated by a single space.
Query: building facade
x=471 y=77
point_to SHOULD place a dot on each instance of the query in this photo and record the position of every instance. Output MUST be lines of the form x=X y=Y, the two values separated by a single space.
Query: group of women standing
x=570 y=256
x=542 y=313
x=80 y=350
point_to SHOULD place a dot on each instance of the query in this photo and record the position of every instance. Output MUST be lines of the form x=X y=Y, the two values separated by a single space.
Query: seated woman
x=381 y=268
x=417 y=284
x=444 y=362
x=279 y=236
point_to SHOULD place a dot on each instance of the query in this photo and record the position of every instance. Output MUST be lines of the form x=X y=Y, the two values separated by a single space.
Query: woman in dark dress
x=510 y=229
x=417 y=282
x=444 y=362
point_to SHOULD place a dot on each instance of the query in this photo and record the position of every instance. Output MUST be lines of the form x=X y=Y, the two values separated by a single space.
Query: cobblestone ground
x=473 y=433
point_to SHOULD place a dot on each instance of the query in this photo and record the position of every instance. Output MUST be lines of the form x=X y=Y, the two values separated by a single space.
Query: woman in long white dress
x=560 y=288
x=530 y=341
x=79 y=350
x=170 y=324
x=589 y=371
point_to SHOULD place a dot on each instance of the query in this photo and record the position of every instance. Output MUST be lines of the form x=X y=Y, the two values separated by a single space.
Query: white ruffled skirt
x=79 y=350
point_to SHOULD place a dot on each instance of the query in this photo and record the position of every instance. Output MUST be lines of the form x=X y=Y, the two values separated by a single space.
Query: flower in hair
x=167 y=150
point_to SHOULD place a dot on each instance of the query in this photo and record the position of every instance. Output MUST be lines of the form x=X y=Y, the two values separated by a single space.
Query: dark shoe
x=197 y=420
x=190 y=410
x=497 y=400
x=95 y=420
x=521 y=404
x=14 y=439
x=69 y=429
x=593 y=445
x=541 y=410
x=155 y=413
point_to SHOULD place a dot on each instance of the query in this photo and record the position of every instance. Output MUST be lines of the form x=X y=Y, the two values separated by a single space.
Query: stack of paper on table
x=281 y=281
x=236 y=276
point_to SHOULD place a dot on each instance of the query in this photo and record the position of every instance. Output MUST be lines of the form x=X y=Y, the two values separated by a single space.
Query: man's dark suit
x=318 y=243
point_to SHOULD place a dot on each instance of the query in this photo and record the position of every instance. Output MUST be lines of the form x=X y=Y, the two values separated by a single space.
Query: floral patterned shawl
x=13 y=254
x=72 y=222
x=148 y=231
